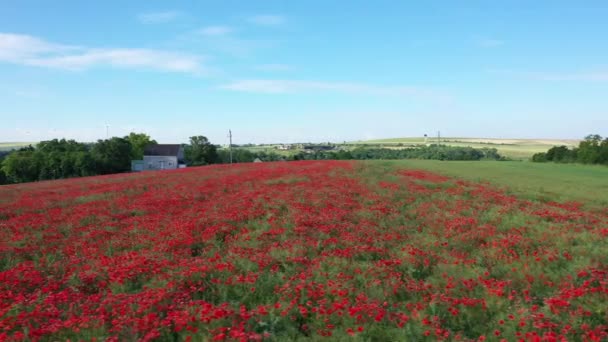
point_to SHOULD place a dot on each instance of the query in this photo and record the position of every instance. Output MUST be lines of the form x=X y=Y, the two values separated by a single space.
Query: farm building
x=160 y=157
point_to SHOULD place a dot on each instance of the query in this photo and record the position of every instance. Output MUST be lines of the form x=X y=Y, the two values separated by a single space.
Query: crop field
x=517 y=149
x=372 y=251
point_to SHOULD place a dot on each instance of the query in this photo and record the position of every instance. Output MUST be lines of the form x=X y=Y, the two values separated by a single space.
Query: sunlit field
x=517 y=149
x=298 y=250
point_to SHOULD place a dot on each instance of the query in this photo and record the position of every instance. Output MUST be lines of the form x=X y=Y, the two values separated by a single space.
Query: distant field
x=512 y=148
x=268 y=149
x=545 y=181
x=7 y=146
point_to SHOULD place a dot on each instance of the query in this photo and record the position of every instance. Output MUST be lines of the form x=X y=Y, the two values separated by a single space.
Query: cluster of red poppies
x=297 y=250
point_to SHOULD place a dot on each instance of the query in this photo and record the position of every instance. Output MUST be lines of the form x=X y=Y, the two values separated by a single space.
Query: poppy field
x=297 y=251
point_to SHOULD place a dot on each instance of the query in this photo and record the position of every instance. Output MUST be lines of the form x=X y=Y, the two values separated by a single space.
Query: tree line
x=592 y=150
x=436 y=152
x=56 y=159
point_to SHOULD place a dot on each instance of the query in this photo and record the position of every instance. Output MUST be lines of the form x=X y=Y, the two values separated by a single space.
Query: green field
x=7 y=146
x=546 y=181
x=512 y=148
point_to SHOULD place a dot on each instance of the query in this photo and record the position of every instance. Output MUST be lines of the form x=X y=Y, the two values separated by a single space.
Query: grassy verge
x=556 y=182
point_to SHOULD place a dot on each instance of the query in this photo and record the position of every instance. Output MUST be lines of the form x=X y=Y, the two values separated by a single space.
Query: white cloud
x=158 y=17
x=298 y=86
x=273 y=67
x=267 y=20
x=215 y=30
x=125 y=58
x=33 y=51
x=17 y=47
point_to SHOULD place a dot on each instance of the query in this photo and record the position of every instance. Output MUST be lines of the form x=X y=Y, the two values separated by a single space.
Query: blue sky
x=291 y=71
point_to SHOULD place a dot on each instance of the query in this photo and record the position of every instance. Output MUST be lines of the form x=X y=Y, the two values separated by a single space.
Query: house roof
x=162 y=150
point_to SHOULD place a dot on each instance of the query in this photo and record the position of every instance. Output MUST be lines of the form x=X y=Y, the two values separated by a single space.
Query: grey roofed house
x=163 y=157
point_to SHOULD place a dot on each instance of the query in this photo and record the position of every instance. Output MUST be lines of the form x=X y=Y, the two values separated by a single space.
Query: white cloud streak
x=158 y=17
x=33 y=51
x=267 y=20
x=299 y=86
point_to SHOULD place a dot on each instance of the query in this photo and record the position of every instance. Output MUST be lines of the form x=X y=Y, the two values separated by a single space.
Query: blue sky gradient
x=286 y=71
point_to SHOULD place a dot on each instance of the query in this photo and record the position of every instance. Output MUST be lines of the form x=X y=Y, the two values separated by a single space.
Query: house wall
x=160 y=162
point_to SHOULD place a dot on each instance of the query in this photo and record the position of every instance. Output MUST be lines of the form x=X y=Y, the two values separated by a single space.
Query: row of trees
x=63 y=158
x=55 y=159
x=437 y=152
x=592 y=150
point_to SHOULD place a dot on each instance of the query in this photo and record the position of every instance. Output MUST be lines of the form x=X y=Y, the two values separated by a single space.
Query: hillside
x=512 y=148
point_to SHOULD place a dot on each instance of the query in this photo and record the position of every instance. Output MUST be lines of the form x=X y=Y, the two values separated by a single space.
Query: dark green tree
x=200 y=151
x=239 y=155
x=561 y=154
x=139 y=141
x=540 y=157
x=22 y=166
x=112 y=155
x=603 y=157
x=3 y=177
x=589 y=149
x=60 y=159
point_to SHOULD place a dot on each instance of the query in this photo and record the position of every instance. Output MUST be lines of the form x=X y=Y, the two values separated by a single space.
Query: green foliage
x=3 y=177
x=589 y=150
x=238 y=156
x=55 y=159
x=139 y=141
x=435 y=152
x=540 y=157
x=21 y=166
x=200 y=151
x=112 y=155
x=592 y=150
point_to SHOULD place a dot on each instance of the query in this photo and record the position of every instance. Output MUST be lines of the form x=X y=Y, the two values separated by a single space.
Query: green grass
x=519 y=149
x=546 y=181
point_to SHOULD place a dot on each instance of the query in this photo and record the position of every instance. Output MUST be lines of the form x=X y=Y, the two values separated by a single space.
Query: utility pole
x=107 y=131
x=438 y=137
x=230 y=145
